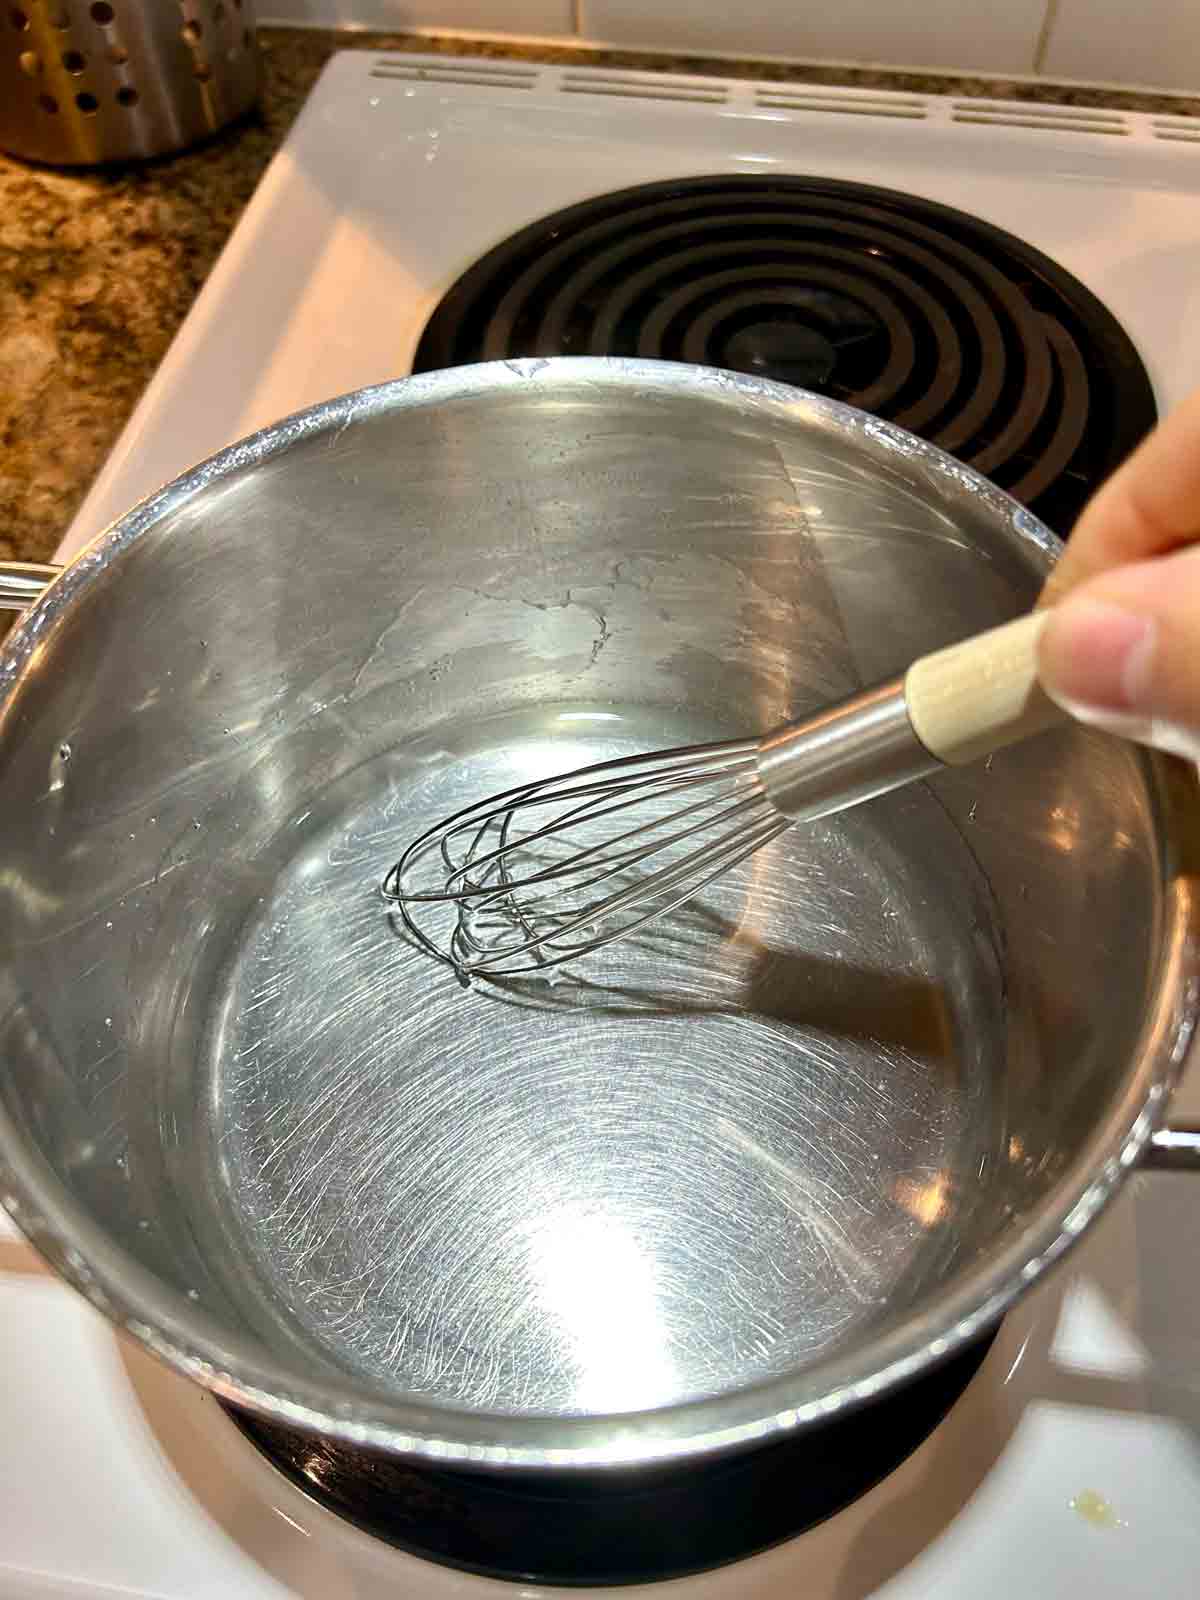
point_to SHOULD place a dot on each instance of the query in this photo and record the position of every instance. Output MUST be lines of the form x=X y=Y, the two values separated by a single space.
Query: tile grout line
x=1042 y=48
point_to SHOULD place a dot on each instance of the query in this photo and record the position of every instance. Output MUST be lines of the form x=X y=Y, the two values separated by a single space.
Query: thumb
x=1122 y=652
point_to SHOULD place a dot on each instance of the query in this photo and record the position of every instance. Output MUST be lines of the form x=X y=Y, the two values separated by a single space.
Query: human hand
x=1121 y=648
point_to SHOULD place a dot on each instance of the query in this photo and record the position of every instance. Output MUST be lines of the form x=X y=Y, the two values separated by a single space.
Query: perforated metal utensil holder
x=88 y=81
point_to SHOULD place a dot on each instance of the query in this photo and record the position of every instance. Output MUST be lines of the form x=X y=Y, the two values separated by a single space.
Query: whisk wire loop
x=537 y=875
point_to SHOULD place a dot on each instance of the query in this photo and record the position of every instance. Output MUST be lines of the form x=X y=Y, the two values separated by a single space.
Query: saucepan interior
x=763 y=1160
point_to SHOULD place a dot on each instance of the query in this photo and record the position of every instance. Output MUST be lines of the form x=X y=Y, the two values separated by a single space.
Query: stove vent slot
x=1182 y=130
x=1057 y=119
x=770 y=98
x=698 y=91
x=478 y=74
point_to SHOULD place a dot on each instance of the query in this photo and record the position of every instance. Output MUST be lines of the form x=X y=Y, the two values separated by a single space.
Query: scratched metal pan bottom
x=788 y=1150
x=698 y=1159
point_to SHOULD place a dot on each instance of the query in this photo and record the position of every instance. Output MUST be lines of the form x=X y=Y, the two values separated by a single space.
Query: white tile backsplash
x=972 y=35
x=1155 y=42
x=527 y=17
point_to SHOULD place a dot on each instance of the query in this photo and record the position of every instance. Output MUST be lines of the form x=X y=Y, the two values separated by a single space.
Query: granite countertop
x=98 y=269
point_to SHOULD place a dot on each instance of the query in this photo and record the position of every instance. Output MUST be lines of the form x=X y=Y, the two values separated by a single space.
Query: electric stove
x=1017 y=282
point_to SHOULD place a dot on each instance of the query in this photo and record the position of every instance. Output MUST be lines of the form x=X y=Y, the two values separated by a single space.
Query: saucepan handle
x=1174 y=1149
x=22 y=581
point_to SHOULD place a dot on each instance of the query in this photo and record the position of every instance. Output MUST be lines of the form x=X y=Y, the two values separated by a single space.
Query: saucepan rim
x=235 y=1368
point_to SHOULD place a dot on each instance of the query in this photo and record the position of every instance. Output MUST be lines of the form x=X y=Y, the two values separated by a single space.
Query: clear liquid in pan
x=697 y=1159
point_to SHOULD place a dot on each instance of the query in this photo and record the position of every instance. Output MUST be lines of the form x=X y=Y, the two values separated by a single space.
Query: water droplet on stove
x=108 y=1022
x=196 y=824
x=108 y=924
x=64 y=751
x=143 y=1224
x=1094 y=1508
x=193 y=1294
x=972 y=811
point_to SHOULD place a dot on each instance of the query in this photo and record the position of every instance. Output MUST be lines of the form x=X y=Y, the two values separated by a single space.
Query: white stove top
x=1071 y=1466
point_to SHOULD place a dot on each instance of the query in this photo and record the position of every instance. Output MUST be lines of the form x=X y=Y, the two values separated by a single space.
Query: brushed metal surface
x=843 y=756
x=701 y=1157
x=84 y=82
x=864 y=1095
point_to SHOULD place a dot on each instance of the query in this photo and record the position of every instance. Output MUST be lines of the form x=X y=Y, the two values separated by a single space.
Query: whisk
x=551 y=870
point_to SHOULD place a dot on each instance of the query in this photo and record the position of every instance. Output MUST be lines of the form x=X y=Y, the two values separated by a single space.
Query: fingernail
x=1098 y=656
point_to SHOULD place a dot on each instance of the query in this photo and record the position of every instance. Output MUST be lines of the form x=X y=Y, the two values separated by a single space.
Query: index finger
x=1150 y=505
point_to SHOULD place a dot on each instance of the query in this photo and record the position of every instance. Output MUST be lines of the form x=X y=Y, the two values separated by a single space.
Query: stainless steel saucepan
x=783 y=1152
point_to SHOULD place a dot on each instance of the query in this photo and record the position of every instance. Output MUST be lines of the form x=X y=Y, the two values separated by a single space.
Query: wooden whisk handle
x=980 y=695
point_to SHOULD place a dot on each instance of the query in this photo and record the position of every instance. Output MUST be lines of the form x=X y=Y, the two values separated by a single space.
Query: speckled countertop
x=98 y=269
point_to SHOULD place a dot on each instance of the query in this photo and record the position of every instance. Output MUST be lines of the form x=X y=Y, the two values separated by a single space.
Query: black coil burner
x=937 y=321
x=632 y=1527
x=942 y=324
